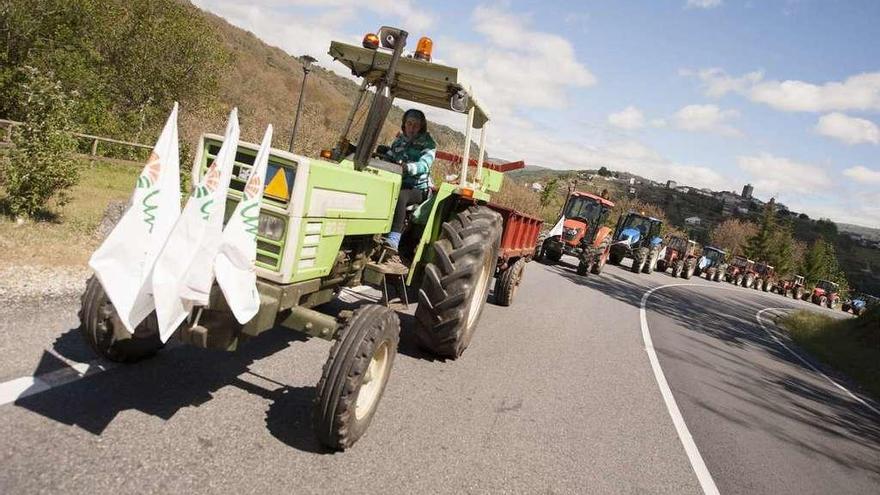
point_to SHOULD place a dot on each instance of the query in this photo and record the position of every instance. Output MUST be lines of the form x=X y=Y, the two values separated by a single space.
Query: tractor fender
x=601 y=235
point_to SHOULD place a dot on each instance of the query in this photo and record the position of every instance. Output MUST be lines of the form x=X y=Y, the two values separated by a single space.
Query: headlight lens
x=571 y=231
x=271 y=227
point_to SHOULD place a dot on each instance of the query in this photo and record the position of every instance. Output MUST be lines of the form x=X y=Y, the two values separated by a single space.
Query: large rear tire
x=651 y=264
x=689 y=269
x=640 y=258
x=507 y=283
x=676 y=269
x=456 y=283
x=105 y=333
x=601 y=256
x=355 y=376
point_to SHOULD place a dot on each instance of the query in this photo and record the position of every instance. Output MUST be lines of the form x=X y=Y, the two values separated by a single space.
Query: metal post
x=466 y=155
x=482 y=151
x=307 y=67
x=95 y=147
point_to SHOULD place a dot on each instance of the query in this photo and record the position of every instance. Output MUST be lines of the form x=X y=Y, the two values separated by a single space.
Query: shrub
x=40 y=165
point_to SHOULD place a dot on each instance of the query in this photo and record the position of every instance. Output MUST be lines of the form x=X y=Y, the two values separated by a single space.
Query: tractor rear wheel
x=719 y=275
x=601 y=256
x=552 y=256
x=456 y=283
x=749 y=281
x=689 y=270
x=676 y=268
x=651 y=264
x=507 y=283
x=822 y=300
x=640 y=258
x=710 y=274
x=738 y=280
x=105 y=333
x=355 y=376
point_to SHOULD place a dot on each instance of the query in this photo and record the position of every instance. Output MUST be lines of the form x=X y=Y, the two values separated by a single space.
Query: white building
x=693 y=221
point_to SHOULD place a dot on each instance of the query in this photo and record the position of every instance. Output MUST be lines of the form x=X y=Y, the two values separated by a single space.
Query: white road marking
x=19 y=388
x=801 y=359
x=697 y=463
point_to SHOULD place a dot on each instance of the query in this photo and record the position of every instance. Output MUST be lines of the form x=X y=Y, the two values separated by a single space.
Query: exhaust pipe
x=307 y=67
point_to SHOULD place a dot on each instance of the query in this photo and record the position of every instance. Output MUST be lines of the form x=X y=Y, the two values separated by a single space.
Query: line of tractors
x=582 y=232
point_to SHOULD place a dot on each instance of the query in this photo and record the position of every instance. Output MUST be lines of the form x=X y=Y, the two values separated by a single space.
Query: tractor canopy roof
x=600 y=199
x=636 y=214
x=416 y=80
x=713 y=248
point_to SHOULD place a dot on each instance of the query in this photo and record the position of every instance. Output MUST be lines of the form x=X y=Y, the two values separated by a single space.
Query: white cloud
x=629 y=118
x=306 y=27
x=850 y=130
x=703 y=4
x=864 y=175
x=706 y=118
x=779 y=175
x=858 y=92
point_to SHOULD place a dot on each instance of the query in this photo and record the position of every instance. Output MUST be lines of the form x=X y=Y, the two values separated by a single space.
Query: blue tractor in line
x=637 y=236
x=860 y=303
x=713 y=263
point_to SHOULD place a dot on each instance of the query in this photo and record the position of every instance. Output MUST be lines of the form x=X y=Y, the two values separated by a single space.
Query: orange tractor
x=680 y=255
x=580 y=232
x=765 y=279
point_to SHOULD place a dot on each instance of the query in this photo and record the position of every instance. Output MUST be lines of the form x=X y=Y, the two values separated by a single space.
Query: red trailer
x=518 y=242
x=518 y=239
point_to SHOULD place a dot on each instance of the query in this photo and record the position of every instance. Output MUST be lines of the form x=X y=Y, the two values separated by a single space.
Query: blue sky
x=784 y=94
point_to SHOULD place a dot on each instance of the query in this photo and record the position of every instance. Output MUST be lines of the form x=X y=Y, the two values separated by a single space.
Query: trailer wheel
x=640 y=258
x=507 y=283
x=456 y=283
x=355 y=375
x=105 y=333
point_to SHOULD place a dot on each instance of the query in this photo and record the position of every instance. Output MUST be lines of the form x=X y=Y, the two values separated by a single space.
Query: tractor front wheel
x=456 y=283
x=651 y=264
x=662 y=265
x=507 y=283
x=355 y=376
x=107 y=336
x=601 y=257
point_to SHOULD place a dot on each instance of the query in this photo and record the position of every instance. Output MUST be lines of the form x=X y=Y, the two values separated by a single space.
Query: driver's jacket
x=417 y=156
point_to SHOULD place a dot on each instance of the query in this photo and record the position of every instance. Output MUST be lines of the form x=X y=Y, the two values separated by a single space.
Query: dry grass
x=65 y=235
x=851 y=346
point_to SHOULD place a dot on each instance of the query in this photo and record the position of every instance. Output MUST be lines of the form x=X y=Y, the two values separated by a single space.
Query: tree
x=732 y=235
x=760 y=246
x=604 y=172
x=39 y=166
x=820 y=263
x=549 y=191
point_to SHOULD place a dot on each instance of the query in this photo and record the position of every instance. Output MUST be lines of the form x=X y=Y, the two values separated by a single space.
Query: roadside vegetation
x=850 y=345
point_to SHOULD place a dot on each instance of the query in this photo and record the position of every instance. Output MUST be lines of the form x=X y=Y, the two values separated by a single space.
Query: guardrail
x=9 y=125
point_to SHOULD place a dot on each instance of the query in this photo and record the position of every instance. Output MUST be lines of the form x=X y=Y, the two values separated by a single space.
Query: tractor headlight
x=571 y=232
x=271 y=227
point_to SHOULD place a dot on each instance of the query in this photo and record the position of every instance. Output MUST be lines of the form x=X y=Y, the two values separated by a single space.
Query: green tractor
x=320 y=230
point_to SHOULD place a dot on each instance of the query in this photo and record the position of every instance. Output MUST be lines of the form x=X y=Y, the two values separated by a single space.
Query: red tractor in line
x=765 y=277
x=738 y=268
x=580 y=232
x=827 y=294
x=679 y=255
x=792 y=287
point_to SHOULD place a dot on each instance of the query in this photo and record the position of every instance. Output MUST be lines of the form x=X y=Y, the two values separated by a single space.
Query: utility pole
x=307 y=67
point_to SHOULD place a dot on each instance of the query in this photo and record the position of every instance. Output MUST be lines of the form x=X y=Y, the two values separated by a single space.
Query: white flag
x=183 y=274
x=123 y=262
x=234 y=266
x=557 y=229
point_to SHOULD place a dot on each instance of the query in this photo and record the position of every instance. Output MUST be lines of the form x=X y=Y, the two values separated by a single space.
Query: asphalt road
x=555 y=395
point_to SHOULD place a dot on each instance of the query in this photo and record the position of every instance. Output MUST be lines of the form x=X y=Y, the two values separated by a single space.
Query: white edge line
x=19 y=388
x=810 y=365
x=697 y=463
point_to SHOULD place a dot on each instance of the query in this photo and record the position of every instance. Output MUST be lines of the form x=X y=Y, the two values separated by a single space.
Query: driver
x=414 y=148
